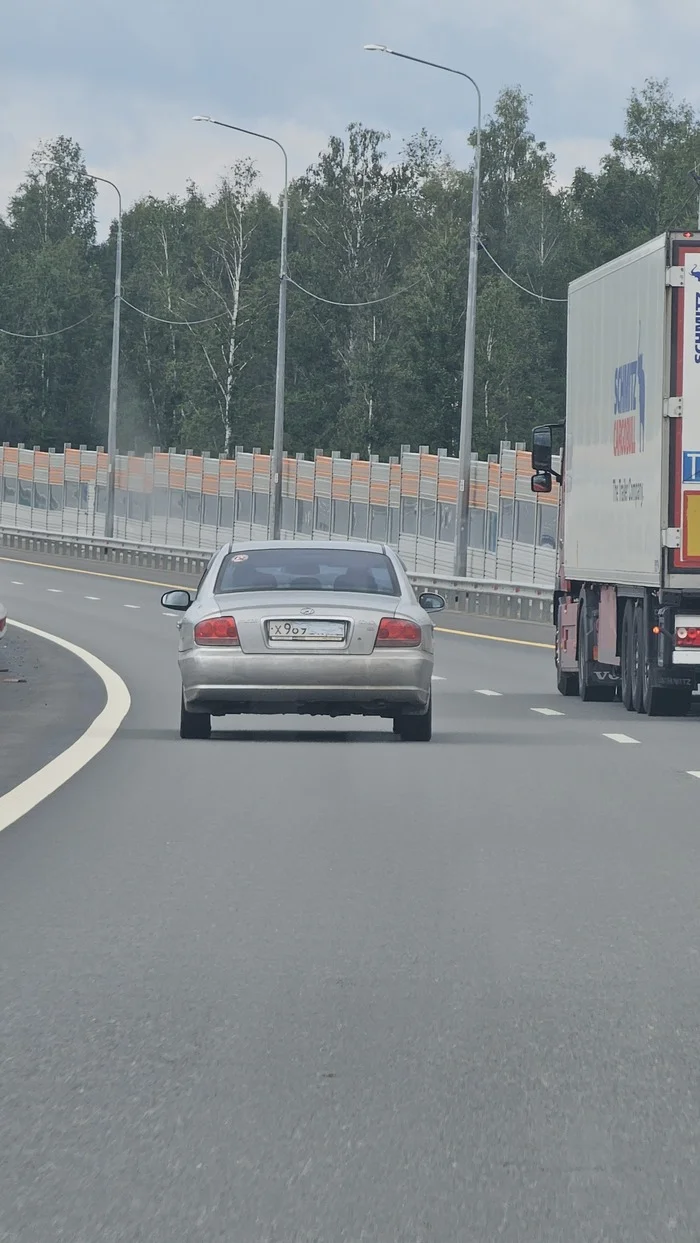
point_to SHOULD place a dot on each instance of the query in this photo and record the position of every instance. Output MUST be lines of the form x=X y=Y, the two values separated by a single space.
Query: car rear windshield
x=301 y=569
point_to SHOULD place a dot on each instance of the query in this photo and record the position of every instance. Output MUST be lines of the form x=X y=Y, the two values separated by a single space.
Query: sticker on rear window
x=241 y=556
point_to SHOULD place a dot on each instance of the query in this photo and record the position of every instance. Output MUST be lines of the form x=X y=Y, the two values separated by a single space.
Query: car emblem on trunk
x=307 y=612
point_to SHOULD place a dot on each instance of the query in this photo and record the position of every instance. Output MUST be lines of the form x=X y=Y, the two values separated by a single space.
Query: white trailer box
x=616 y=454
x=627 y=592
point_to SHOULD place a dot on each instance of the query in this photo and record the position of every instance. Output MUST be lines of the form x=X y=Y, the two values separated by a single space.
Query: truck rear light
x=396 y=632
x=688 y=636
x=217 y=632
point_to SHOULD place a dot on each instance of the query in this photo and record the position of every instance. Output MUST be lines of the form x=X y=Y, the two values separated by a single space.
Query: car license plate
x=301 y=630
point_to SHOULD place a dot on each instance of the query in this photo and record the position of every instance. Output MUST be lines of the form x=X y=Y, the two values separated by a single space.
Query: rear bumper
x=221 y=682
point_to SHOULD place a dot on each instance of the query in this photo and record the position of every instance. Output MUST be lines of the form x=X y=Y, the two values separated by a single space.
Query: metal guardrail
x=488 y=597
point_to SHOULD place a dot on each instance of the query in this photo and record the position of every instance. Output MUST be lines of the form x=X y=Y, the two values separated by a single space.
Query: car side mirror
x=179 y=601
x=541 y=482
x=542 y=449
x=432 y=602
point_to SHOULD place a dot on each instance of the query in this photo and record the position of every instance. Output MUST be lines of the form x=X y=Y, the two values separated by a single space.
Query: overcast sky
x=124 y=79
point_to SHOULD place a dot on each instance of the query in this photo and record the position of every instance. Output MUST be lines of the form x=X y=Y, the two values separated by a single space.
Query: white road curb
x=35 y=789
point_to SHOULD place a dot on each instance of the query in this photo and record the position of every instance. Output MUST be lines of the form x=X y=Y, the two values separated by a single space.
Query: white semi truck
x=627 y=591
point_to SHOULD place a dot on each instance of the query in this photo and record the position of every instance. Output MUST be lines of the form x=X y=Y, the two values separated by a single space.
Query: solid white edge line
x=29 y=793
x=691 y=773
x=621 y=738
x=498 y=693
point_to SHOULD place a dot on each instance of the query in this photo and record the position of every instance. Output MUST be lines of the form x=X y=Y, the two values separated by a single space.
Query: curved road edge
x=34 y=789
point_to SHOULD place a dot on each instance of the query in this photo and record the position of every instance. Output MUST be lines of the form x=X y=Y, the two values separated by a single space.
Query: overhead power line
x=540 y=296
x=174 y=323
x=40 y=336
x=370 y=302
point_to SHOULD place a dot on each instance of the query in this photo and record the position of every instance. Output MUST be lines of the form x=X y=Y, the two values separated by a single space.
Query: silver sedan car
x=327 y=629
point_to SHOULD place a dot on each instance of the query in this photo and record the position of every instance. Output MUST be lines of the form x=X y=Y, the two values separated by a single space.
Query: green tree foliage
x=389 y=237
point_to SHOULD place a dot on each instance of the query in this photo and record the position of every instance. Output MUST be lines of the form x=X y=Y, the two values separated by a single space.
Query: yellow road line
x=71 y=569
x=149 y=582
x=494 y=638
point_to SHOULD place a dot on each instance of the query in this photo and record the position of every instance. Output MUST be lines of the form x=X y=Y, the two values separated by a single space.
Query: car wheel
x=415 y=728
x=194 y=724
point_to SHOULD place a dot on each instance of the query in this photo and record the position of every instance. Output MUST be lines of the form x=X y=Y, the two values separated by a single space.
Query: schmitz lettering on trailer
x=630 y=408
x=696 y=273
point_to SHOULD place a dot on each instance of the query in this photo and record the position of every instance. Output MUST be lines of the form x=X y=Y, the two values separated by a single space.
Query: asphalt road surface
x=306 y=984
x=48 y=697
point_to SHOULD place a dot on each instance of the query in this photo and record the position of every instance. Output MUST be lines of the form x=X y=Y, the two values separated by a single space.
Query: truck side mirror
x=542 y=449
x=541 y=482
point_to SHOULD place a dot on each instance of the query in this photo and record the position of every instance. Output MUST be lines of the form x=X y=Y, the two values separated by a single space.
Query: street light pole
x=114 y=370
x=696 y=178
x=467 y=404
x=275 y=515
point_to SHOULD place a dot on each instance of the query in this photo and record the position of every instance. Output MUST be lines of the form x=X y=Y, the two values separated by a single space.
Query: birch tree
x=221 y=270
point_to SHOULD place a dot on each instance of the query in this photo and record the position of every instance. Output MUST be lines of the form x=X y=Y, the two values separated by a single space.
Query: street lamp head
x=201 y=118
x=376 y=47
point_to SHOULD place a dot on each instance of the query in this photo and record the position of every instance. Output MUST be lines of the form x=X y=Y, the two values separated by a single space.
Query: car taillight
x=217 y=632
x=688 y=636
x=395 y=632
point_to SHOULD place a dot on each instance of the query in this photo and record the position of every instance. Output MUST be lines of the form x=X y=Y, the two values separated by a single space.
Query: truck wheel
x=567 y=683
x=626 y=655
x=589 y=691
x=194 y=724
x=639 y=652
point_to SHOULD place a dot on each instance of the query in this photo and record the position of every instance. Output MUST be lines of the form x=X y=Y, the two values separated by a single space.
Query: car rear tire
x=194 y=724
x=415 y=728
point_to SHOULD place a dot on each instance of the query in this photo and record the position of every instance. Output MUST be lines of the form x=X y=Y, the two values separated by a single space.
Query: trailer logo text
x=630 y=407
x=697 y=325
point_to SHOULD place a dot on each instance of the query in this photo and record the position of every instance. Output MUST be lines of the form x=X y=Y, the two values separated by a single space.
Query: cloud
x=573 y=153
x=146 y=145
x=125 y=89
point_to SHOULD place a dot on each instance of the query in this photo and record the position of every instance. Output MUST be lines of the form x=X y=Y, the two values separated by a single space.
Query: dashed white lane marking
x=132 y=606
x=36 y=788
x=92 y=597
x=690 y=773
x=436 y=678
x=16 y=583
x=55 y=591
x=488 y=693
x=548 y=711
x=621 y=738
